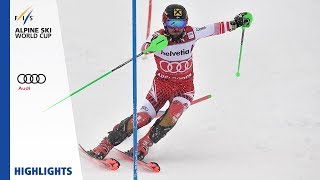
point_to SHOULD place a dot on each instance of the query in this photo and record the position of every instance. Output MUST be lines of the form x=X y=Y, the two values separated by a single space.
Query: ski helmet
x=174 y=11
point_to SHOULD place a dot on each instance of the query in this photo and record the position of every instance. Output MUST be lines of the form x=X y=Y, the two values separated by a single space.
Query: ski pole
x=160 y=113
x=156 y=45
x=248 y=20
x=90 y=83
x=240 y=54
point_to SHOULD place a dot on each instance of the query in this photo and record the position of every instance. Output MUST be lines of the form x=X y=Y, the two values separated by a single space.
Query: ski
x=113 y=164
x=109 y=163
x=151 y=166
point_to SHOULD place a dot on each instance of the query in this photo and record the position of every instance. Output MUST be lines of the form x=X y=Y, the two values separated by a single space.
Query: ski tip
x=209 y=96
x=154 y=166
x=112 y=164
x=80 y=147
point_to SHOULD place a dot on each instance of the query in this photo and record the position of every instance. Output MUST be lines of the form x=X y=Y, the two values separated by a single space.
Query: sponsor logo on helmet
x=177 y=12
x=176 y=53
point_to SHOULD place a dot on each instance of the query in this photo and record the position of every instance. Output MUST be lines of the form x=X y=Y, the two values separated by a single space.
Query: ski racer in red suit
x=173 y=80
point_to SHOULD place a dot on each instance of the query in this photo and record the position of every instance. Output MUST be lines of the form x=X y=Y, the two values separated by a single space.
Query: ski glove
x=157 y=43
x=243 y=19
x=147 y=44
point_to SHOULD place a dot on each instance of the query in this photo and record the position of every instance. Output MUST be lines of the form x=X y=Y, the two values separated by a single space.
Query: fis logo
x=25 y=16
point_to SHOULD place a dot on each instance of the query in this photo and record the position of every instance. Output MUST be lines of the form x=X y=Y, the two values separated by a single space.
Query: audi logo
x=31 y=78
x=175 y=67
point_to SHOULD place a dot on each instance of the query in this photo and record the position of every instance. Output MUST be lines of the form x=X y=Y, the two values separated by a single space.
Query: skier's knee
x=167 y=121
x=173 y=113
x=143 y=119
x=147 y=107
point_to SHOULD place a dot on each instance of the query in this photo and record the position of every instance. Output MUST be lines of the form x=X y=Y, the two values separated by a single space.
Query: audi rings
x=175 y=67
x=31 y=78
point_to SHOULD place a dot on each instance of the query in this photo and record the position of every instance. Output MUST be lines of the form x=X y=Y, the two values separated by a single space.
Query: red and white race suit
x=174 y=76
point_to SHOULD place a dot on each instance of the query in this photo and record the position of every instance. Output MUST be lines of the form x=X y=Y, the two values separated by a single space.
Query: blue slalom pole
x=134 y=75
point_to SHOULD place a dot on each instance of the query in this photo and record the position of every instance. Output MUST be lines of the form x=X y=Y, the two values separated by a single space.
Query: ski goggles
x=176 y=23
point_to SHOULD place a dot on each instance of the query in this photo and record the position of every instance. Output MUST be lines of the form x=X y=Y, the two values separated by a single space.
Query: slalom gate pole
x=134 y=88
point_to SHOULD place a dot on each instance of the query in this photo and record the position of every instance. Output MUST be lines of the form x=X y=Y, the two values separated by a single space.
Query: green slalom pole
x=156 y=45
x=240 y=54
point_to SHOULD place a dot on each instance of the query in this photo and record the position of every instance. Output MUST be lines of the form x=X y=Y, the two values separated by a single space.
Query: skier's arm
x=148 y=41
x=212 y=29
x=222 y=27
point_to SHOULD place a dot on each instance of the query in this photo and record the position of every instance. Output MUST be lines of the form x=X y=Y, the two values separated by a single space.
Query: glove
x=157 y=44
x=147 y=44
x=243 y=19
x=154 y=36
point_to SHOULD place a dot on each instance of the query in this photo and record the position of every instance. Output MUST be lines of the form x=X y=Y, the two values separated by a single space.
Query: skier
x=173 y=80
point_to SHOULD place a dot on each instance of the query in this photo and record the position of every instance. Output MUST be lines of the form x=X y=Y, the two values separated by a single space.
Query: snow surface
x=263 y=125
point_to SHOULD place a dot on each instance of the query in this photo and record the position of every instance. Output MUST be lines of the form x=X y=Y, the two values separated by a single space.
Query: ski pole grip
x=159 y=43
x=248 y=18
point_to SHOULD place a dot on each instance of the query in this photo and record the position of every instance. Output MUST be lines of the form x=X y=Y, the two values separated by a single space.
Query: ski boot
x=101 y=151
x=143 y=147
x=142 y=152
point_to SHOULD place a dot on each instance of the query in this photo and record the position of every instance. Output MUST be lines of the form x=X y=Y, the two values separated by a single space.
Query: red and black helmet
x=174 y=11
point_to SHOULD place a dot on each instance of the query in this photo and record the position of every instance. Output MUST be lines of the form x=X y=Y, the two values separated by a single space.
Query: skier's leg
x=163 y=125
x=119 y=133
x=125 y=128
x=155 y=100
